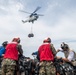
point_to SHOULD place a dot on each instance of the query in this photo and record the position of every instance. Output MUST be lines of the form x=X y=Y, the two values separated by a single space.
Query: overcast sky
x=58 y=23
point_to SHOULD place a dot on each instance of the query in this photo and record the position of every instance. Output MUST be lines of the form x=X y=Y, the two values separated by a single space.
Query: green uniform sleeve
x=53 y=49
x=20 y=50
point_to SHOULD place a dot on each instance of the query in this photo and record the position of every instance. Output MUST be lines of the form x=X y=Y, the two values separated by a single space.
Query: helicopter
x=33 y=16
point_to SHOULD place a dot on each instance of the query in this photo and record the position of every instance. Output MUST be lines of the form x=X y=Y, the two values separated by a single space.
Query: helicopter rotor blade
x=37 y=9
x=24 y=11
x=40 y=15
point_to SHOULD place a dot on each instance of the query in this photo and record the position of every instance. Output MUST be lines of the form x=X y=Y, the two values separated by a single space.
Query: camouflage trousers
x=8 y=67
x=47 y=68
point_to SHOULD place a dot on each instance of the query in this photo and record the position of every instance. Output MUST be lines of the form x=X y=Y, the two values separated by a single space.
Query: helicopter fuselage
x=33 y=18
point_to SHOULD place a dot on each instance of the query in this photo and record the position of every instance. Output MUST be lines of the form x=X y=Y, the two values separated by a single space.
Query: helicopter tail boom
x=24 y=21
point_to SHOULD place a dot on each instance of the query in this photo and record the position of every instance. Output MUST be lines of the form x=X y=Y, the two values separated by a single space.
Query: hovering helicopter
x=33 y=16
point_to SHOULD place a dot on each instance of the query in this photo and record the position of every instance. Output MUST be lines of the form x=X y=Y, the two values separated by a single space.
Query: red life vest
x=11 y=51
x=45 y=52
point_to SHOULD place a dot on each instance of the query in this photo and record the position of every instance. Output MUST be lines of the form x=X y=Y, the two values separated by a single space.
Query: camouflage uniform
x=47 y=68
x=53 y=50
x=8 y=67
x=0 y=72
